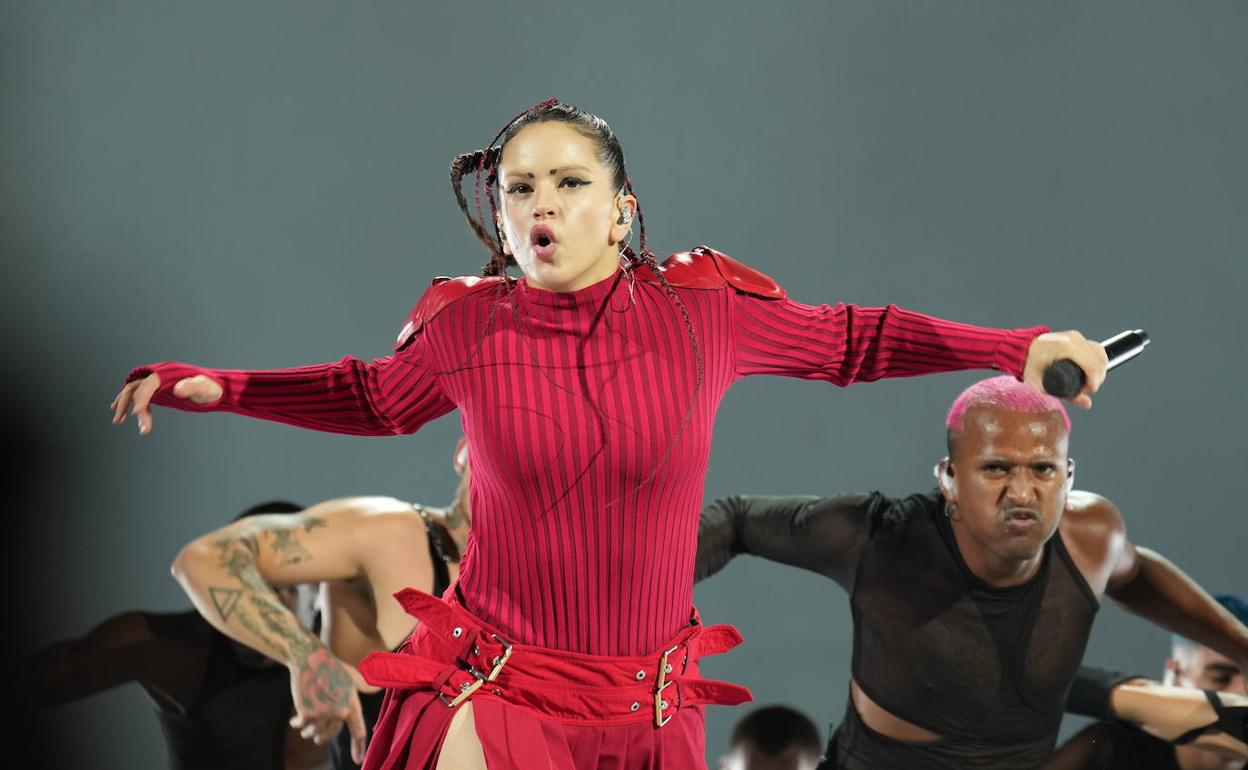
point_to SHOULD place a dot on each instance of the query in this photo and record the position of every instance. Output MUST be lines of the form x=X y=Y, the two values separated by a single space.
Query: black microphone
x=1064 y=378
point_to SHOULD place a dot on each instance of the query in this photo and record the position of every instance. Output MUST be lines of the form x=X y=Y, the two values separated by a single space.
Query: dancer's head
x=1192 y=664
x=1007 y=474
x=560 y=204
x=773 y=738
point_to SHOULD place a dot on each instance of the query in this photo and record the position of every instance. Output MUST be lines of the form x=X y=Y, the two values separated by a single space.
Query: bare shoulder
x=382 y=521
x=1095 y=533
x=1092 y=516
x=367 y=520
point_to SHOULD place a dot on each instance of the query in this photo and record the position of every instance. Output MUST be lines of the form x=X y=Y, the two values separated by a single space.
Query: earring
x=951 y=510
x=626 y=265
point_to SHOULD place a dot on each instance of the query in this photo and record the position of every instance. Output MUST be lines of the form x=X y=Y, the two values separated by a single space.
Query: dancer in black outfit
x=220 y=704
x=971 y=605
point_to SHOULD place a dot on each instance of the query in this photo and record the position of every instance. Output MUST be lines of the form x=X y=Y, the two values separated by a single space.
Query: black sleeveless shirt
x=986 y=668
x=973 y=663
x=370 y=703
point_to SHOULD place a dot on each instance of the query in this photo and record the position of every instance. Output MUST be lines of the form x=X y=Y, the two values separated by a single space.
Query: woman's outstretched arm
x=844 y=344
x=392 y=395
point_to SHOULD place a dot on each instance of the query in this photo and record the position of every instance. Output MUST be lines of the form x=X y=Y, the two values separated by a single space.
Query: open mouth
x=541 y=235
x=543 y=241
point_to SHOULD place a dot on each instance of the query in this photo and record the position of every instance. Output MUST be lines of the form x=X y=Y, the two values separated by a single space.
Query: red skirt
x=537 y=708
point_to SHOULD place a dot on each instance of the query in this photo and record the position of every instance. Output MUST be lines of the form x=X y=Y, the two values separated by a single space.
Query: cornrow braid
x=641 y=218
x=460 y=166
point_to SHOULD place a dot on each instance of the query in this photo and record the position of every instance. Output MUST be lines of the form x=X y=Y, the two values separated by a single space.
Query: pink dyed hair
x=1004 y=392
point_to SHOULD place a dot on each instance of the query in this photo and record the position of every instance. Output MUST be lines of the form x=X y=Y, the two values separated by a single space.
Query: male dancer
x=219 y=703
x=362 y=550
x=1111 y=745
x=972 y=605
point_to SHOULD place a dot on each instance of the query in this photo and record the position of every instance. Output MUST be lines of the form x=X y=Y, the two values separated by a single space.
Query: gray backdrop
x=264 y=184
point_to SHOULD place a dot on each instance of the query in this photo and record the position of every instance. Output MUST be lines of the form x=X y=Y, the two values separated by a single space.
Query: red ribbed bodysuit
x=588 y=444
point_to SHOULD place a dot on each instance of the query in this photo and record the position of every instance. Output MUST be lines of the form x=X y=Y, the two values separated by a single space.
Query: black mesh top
x=219 y=704
x=985 y=668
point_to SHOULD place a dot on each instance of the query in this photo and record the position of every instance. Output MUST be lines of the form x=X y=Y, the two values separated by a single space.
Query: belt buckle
x=465 y=690
x=500 y=661
x=480 y=678
x=661 y=685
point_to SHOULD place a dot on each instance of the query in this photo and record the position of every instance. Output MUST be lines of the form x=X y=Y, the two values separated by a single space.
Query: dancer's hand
x=326 y=696
x=1054 y=346
x=136 y=396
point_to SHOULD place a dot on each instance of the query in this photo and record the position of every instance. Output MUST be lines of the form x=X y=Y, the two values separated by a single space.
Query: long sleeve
x=821 y=534
x=392 y=395
x=843 y=344
x=1089 y=693
x=1099 y=746
x=157 y=651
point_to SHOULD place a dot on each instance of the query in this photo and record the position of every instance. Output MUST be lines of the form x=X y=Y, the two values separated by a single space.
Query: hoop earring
x=951 y=512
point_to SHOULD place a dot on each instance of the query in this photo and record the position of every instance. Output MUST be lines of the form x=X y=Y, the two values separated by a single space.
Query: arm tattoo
x=325 y=684
x=225 y=600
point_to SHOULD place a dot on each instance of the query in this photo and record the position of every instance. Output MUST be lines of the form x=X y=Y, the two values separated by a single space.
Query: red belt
x=457 y=655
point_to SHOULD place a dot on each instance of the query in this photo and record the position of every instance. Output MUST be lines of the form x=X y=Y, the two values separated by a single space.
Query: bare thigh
x=461 y=750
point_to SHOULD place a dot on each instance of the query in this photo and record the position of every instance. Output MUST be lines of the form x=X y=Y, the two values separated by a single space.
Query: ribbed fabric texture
x=588 y=444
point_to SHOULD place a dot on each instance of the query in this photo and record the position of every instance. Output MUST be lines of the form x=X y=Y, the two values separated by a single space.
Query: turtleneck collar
x=593 y=294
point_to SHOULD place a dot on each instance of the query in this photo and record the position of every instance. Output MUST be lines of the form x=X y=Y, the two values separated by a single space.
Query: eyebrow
x=1225 y=668
x=553 y=171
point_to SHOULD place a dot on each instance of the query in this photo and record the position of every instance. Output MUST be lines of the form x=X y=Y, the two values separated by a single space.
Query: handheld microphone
x=1064 y=378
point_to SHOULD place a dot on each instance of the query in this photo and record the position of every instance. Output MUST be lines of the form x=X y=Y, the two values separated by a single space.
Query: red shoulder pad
x=441 y=294
x=706 y=268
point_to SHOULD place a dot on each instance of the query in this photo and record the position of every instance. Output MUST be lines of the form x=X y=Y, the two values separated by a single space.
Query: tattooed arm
x=229 y=575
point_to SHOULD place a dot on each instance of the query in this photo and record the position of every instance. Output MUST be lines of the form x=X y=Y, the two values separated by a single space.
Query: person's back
x=352 y=630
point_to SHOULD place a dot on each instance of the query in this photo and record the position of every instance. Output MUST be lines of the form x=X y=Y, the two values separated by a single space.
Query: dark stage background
x=264 y=184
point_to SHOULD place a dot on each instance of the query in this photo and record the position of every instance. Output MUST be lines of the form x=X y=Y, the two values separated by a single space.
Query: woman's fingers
x=142 y=402
x=1088 y=355
x=122 y=402
x=136 y=397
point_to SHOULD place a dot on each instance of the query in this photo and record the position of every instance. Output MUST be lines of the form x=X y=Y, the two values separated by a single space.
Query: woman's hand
x=1087 y=354
x=136 y=396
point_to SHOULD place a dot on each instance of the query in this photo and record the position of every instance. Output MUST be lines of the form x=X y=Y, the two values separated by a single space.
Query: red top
x=586 y=489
